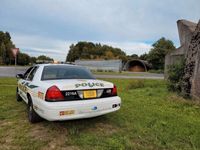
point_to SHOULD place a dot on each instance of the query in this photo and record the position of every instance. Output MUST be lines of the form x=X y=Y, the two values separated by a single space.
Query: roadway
x=12 y=71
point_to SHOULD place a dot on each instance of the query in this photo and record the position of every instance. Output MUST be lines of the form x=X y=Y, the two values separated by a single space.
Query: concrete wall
x=173 y=58
x=185 y=30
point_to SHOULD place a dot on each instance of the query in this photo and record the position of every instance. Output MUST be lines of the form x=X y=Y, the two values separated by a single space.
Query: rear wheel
x=33 y=117
x=18 y=97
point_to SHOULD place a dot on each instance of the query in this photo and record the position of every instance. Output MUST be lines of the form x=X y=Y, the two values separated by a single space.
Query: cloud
x=131 y=47
x=124 y=23
x=37 y=45
x=58 y=49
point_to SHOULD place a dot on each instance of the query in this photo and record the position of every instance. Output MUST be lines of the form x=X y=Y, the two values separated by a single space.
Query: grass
x=150 y=118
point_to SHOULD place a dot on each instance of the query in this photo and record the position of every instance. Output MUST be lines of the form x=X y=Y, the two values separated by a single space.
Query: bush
x=135 y=84
x=175 y=76
x=99 y=70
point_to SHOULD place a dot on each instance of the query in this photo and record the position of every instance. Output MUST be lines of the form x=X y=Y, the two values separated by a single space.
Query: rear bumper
x=53 y=111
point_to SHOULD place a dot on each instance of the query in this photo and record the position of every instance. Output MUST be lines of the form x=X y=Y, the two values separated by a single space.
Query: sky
x=49 y=27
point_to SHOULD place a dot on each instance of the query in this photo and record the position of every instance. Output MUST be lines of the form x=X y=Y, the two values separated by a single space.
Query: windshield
x=65 y=72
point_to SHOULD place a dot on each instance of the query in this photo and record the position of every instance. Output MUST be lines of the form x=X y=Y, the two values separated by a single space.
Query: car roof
x=43 y=65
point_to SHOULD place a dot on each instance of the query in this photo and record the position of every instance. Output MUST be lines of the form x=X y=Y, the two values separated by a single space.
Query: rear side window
x=27 y=72
x=31 y=75
x=65 y=72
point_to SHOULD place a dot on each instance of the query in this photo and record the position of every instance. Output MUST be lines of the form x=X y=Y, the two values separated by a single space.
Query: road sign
x=15 y=51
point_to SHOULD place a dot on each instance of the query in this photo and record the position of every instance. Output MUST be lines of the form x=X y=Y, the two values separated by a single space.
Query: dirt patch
x=6 y=140
x=105 y=129
x=38 y=131
x=55 y=134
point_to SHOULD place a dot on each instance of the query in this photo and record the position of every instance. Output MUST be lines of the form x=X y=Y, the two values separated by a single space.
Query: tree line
x=88 y=50
x=6 y=55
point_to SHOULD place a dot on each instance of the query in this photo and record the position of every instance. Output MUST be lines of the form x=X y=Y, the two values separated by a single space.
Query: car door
x=22 y=82
x=29 y=85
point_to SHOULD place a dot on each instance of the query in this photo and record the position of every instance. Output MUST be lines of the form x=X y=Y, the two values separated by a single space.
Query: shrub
x=99 y=70
x=175 y=76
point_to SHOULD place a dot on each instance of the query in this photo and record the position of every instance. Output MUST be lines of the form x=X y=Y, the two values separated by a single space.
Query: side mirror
x=20 y=76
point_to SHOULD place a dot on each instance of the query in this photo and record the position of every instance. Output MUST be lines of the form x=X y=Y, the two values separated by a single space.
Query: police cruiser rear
x=65 y=92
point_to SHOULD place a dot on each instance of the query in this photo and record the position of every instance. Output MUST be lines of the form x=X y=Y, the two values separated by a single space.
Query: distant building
x=136 y=65
x=104 y=65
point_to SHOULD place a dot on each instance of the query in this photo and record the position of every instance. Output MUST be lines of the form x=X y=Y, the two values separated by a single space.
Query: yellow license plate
x=90 y=94
x=67 y=112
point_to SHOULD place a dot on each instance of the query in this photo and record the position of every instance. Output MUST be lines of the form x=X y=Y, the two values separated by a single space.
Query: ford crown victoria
x=65 y=92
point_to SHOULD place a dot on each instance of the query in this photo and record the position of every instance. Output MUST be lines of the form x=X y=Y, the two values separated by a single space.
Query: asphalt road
x=12 y=71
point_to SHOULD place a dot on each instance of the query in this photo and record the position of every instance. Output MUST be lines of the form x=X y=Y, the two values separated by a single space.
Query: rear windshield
x=65 y=72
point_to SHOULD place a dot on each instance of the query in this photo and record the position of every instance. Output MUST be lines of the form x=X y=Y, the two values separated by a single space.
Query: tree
x=89 y=50
x=156 y=56
x=33 y=60
x=134 y=56
x=43 y=57
x=6 y=44
x=23 y=59
x=143 y=56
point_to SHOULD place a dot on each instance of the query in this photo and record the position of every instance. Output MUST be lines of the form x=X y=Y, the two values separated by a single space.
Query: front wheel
x=33 y=117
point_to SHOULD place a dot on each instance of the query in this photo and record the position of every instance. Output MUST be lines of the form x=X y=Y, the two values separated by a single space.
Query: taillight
x=114 y=91
x=53 y=94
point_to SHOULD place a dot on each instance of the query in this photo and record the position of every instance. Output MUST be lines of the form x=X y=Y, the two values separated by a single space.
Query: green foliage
x=23 y=59
x=133 y=56
x=156 y=71
x=175 y=76
x=156 y=56
x=89 y=50
x=6 y=44
x=144 y=56
x=43 y=57
x=33 y=60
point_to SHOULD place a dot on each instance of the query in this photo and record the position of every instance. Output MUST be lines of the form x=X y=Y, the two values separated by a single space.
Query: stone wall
x=195 y=90
x=191 y=78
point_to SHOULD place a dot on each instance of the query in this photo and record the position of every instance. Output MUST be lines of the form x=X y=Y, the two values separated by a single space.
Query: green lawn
x=150 y=118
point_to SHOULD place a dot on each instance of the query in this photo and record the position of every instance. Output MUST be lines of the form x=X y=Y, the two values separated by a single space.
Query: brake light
x=53 y=94
x=114 y=91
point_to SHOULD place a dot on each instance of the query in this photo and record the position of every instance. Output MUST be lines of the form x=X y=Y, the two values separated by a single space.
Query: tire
x=18 y=97
x=33 y=117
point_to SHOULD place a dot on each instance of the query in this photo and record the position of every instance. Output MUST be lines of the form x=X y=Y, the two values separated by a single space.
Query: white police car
x=64 y=92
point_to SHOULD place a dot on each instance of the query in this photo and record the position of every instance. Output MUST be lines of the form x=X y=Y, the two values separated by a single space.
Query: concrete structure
x=189 y=34
x=185 y=30
x=106 y=65
x=136 y=65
